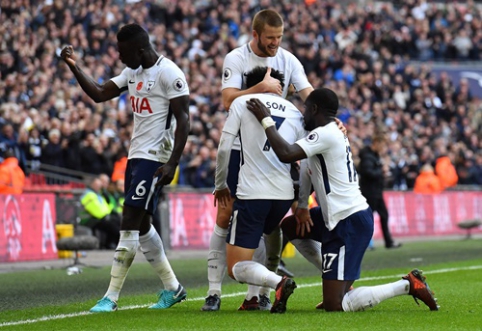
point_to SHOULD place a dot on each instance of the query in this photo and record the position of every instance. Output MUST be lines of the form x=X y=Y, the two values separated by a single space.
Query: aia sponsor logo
x=140 y=104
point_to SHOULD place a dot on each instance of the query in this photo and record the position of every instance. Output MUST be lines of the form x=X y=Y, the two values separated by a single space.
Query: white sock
x=311 y=250
x=253 y=273
x=123 y=257
x=365 y=297
x=273 y=242
x=259 y=256
x=153 y=249
x=217 y=260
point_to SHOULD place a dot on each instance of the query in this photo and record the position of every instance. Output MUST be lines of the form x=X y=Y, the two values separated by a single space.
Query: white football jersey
x=242 y=60
x=262 y=175
x=149 y=93
x=333 y=173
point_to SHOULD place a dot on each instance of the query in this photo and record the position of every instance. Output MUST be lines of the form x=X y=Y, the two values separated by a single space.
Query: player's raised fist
x=67 y=55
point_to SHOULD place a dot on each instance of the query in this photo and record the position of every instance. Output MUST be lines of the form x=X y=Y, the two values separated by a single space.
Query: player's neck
x=150 y=59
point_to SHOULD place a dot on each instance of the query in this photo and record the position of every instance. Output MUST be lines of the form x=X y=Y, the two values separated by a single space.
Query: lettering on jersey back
x=274 y=105
x=140 y=104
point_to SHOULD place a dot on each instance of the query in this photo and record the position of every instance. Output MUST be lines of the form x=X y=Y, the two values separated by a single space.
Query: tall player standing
x=157 y=91
x=265 y=191
x=263 y=50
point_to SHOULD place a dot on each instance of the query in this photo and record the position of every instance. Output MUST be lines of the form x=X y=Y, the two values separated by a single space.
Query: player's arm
x=97 y=92
x=267 y=85
x=304 y=93
x=180 y=109
x=286 y=152
x=302 y=214
x=221 y=192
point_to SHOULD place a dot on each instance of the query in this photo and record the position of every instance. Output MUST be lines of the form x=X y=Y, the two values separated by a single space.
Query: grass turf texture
x=453 y=269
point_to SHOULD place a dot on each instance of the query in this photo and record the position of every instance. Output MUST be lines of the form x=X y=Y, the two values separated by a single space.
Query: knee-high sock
x=311 y=250
x=273 y=243
x=217 y=260
x=153 y=249
x=254 y=273
x=123 y=257
x=365 y=297
x=259 y=256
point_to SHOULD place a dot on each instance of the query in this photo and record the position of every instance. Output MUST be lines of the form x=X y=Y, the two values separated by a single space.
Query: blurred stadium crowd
x=362 y=52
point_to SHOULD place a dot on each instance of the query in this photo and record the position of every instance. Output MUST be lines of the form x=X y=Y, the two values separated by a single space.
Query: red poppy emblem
x=139 y=86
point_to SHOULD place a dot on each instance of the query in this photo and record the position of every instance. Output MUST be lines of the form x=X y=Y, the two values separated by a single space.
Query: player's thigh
x=344 y=246
x=247 y=223
x=277 y=210
x=141 y=194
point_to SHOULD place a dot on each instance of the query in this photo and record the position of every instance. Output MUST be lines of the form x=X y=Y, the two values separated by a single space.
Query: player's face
x=129 y=54
x=269 y=40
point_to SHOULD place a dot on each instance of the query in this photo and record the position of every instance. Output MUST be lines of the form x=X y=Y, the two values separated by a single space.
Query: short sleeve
x=121 y=80
x=174 y=81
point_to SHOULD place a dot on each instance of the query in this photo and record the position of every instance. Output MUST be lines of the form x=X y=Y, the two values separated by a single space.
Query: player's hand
x=222 y=197
x=303 y=221
x=258 y=108
x=341 y=126
x=67 y=55
x=270 y=84
x=167 y=172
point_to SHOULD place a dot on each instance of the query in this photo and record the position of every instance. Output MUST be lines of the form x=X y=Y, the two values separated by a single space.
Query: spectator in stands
x=52 y=155
x=372 y=174
x=31 y=79
x=445 y=170
x=96 y=214
x=427 y=181
x=9 y=141
x=12 y=177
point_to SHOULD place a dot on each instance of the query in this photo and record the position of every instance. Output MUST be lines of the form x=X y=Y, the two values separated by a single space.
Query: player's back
x=333 y=174
x=262 y=175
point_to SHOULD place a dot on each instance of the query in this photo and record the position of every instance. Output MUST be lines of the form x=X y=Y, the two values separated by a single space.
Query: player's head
x=132 y=42
x=379 y=143
x=320 y=106
x=267 y=32
x=256 y=76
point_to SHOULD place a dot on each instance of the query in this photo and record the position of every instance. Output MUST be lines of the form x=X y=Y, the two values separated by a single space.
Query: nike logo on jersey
x=327 y=270
x=137 y=198
x=131 y=81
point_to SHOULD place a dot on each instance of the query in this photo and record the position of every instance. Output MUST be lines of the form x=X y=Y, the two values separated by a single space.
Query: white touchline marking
x=83 y=313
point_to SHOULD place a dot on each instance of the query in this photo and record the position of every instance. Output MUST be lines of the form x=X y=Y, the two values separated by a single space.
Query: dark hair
x=134 y=32
x=266 y=17
x=257 y=74
x=326 y=100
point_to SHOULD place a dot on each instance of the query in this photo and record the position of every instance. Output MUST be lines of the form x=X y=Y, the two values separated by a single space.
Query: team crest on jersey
x=312 y=137
x=178 y=84
x=227 y=74
x=150 y=85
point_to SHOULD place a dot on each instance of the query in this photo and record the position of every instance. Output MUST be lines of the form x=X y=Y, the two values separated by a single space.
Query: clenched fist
x=67 y=55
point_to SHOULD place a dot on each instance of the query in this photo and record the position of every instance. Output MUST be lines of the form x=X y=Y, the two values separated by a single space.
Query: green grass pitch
x=52 y=300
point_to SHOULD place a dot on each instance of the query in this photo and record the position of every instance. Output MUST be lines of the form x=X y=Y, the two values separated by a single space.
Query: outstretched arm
x=286 y=153
x=97 y=92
